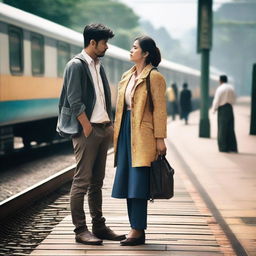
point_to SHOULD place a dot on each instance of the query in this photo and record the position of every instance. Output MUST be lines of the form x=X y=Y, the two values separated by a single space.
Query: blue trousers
x=137 y=212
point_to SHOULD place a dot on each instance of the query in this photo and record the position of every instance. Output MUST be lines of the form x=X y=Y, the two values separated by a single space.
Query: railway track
x=34 y=193
x=24 y=230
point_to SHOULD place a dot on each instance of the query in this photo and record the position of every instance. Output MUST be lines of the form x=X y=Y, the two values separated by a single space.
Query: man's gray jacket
x=78 y=95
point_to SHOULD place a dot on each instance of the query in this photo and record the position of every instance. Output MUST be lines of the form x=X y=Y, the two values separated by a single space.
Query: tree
x=113 y=14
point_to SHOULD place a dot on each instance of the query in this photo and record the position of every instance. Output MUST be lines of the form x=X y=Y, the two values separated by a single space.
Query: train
x=33 y=55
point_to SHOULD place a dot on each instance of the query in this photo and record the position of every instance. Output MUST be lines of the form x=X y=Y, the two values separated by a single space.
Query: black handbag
x=161 y=179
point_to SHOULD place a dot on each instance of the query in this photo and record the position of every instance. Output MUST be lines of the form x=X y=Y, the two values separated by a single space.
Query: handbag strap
x=163 y=158
x=151 y=104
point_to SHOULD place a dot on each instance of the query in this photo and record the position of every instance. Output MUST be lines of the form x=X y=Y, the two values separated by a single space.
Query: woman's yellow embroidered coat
x=146 y=126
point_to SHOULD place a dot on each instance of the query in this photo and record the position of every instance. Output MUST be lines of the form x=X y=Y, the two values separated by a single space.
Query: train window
x=16 y=50
x=63 y=57
x=37 y=54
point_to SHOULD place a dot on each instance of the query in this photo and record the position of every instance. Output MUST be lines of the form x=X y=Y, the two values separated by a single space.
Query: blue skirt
x=130 y=182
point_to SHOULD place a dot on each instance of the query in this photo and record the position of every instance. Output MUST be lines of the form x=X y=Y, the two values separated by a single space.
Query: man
x=85 y=113
x=185 y=102
x=223 y=100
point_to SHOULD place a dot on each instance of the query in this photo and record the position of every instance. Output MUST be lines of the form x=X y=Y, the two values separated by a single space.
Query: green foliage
x=59 y=11
x=113 y=14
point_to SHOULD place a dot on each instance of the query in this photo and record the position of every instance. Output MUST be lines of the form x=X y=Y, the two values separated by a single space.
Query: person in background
x=86 y=98
x=172 y=97
x=185 y=102
x=169 y=98
x=223 y=100
x=139 y=133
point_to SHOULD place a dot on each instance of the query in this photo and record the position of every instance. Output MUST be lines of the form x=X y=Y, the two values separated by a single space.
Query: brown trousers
x=90 y=154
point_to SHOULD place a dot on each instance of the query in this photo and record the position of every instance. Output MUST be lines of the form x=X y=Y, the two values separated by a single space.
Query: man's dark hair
x=223 y=79
x=96 y=32
x=185 y=85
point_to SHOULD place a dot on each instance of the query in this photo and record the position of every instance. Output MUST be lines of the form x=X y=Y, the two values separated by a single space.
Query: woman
x=138 y=134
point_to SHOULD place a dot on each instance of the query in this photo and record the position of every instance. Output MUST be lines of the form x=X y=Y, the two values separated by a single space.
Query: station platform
x=229 y=179
x=213 y=211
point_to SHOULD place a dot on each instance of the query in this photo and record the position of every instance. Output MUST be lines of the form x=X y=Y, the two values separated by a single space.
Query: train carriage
x=33 y=54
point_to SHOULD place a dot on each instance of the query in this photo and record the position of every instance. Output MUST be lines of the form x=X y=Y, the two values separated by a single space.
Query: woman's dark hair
x=96 y=32
x=147 y=44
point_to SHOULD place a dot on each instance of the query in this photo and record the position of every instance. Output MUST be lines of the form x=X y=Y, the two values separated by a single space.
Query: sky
x=177 y=16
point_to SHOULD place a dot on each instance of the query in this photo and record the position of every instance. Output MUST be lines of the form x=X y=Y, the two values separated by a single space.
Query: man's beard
x=101 y=54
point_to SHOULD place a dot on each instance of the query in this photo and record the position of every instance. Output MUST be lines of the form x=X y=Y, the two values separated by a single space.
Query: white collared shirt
x=99 y=113
x=130 y=91
x=224 y=94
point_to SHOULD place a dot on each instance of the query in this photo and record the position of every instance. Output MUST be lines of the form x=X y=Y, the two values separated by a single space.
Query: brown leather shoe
x=106 y=233
x=87 y=237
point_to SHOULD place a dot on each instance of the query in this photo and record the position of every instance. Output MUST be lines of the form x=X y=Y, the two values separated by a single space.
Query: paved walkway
x=229 y=179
